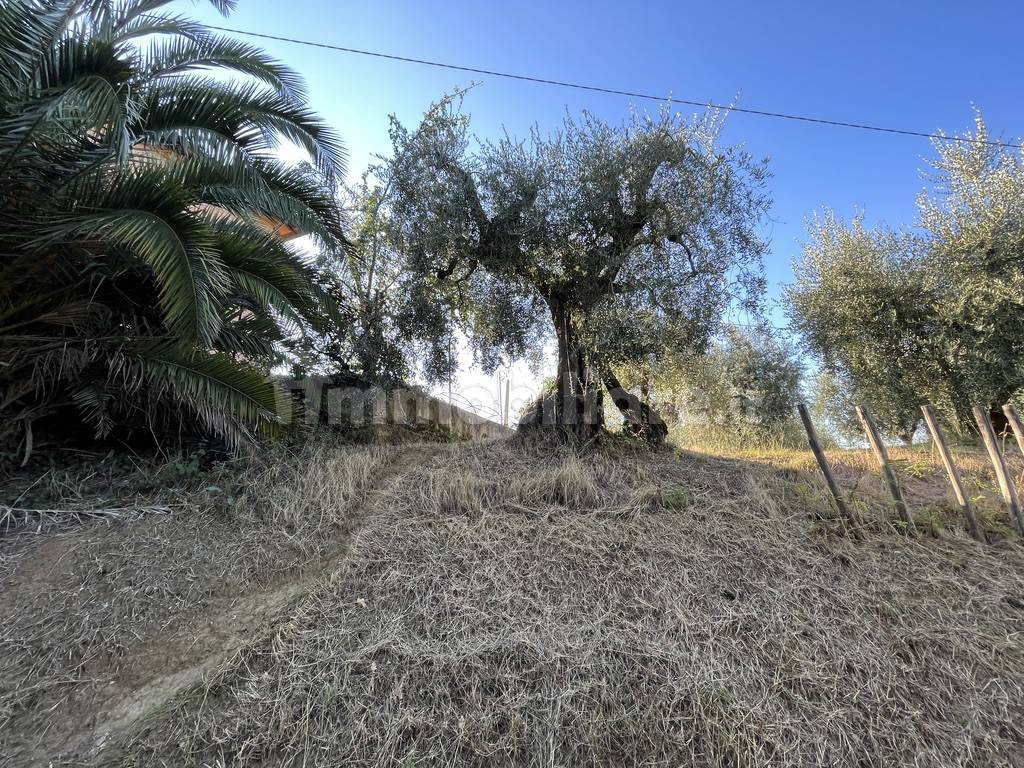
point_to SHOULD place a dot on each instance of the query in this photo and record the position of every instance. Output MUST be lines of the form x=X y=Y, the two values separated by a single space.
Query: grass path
x=165 y=657
x=225 y=627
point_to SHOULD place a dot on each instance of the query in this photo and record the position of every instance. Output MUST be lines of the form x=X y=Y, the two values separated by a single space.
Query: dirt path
x=173 y=658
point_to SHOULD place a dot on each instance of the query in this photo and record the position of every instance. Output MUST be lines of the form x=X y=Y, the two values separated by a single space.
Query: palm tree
x=144 y=278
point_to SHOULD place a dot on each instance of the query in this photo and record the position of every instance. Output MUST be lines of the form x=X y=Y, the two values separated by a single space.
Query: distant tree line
x=743 y=389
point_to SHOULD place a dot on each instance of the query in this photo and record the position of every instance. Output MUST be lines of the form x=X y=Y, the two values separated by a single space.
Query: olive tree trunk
x=640 y=419
x=576 y=407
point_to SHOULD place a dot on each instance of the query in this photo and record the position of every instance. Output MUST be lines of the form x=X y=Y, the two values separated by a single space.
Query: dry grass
x=922 y=478
x=516 y=606
x=91 y=610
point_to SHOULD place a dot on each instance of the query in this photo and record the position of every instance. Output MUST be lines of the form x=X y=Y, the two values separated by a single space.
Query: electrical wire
x=617 y=92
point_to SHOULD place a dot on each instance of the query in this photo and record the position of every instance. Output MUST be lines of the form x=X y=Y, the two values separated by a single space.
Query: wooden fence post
x=1018 y=429
x=951 y=470
x=1006 y=484
x=826 y=470
x=882 y=454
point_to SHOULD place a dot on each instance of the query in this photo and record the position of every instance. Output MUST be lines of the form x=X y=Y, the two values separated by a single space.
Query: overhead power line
x=617 y=92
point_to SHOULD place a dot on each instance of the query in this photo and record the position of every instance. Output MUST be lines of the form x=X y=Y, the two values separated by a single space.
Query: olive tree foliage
x=834 y=404
x=859 y=303
x=744 y=389
x=934 y=314
x=761 y=374
x=624 y=241
x=396 y=326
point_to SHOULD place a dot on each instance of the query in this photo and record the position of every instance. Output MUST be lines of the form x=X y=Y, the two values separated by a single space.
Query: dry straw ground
x=510 y=604
x=101 y=619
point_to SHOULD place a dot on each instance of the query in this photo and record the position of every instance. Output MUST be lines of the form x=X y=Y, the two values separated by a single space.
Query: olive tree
x=932 y=314
x=397 y=326
x=745 y=387
x=861 y=304
x=626 y=241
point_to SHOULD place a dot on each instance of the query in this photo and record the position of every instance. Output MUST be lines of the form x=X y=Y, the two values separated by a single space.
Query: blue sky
x=913 y=65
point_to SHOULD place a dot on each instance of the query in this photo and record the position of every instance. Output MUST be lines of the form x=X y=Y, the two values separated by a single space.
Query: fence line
x=951 y=471
x=1007 y=487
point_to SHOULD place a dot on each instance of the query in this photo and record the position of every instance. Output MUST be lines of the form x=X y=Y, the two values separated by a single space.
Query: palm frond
x=36 y=310
x=144 y=211
x=157 y=24
x=224 y=176
x=256 y=119
x=248 y=334
x=224 y=7
x=181 y=55
x=28 y=32
x=80 y=97
x=232 y=399
x=93 y=399
x=295 y=196
x=263 y=267
x=269 y=272
x=121 y=13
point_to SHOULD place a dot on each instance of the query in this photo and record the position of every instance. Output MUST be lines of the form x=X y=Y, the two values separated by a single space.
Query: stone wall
x=318 y=401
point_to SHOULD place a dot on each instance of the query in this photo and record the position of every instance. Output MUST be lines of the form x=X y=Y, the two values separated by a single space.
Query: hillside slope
x=499 y=604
